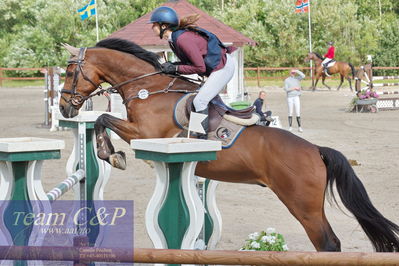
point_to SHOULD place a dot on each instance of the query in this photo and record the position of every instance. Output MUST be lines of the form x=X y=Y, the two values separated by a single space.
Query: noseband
x=77 y=98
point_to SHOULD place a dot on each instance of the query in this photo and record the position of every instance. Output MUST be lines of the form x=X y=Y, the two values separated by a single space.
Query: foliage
x=32 y=30
x=265 y=241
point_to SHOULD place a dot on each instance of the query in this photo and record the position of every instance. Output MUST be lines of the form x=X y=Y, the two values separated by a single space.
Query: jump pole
x=210 y=257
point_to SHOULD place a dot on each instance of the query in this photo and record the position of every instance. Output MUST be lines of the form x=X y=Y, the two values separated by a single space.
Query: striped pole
x=385 y=84
x=387 y=92
x=65 y=185
x=385 y=77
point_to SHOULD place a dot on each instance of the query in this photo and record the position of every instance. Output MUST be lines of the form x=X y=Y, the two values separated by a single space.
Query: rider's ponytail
x=189 y=22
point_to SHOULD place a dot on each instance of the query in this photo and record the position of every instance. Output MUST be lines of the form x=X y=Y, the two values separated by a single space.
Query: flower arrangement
x=265 y=241
x=364 y=96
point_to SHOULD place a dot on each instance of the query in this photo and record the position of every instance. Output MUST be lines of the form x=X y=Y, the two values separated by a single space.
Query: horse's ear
x=72 y=50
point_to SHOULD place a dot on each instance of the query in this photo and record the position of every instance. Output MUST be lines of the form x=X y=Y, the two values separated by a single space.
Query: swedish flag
x=88 y=10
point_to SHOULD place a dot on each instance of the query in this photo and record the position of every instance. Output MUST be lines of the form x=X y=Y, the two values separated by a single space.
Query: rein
x=76 y=98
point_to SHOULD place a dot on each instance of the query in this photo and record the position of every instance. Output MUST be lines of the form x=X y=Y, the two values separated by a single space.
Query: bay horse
x=342 y=68
x=297 y=171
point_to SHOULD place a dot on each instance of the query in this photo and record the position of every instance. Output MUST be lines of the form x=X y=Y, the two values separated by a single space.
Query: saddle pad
x=331 y=63
x=227 y=132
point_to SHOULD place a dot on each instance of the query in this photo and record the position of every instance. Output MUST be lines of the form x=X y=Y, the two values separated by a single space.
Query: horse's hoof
x=103 y=155
x=118 y=160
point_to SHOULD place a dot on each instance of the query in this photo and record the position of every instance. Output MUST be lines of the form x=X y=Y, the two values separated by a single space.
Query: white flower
x=270 y=230
x=255 y=244
x=269 y=239
x=285 y=247
x=253 y=236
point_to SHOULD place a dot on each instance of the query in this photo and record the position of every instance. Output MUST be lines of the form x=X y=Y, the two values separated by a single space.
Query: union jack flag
x=302 y=6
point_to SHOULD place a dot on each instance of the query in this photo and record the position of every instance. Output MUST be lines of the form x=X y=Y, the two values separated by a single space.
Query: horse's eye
x=69 y=74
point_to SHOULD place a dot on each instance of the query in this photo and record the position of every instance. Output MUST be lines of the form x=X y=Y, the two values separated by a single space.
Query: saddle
x=328 y=65
x=217 y=109
x=225 y=123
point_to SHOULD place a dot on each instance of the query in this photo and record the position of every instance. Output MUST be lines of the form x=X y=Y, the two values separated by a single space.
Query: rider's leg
x=325 y=63
x=213 y=85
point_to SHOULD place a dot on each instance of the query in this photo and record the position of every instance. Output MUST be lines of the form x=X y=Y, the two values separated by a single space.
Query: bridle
x=77 y=99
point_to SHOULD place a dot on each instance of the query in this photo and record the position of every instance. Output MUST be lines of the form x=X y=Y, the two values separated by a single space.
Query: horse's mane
x=319 y=56
x=131 y=48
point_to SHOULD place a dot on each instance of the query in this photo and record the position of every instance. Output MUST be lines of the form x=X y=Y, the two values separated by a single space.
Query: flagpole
x=96 y=20
x=310 y=43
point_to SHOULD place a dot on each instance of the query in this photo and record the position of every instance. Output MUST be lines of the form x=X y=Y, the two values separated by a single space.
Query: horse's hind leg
x=319 y=230
x=105 y=149
x=350 y=83
x=340 y=84
x=305 y=200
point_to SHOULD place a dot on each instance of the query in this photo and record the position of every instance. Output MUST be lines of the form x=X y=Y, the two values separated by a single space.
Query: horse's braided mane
x=131 y=48
x=318 y=55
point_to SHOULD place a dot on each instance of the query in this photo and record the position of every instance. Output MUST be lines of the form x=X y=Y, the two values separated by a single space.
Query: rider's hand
x=169 y=68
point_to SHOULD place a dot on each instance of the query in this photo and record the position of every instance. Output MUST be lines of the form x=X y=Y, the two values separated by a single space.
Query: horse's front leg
x=317 y=80
x=323 y=79
x=105 y=150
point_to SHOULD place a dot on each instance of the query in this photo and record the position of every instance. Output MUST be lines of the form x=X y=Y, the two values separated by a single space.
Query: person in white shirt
x=292 y=85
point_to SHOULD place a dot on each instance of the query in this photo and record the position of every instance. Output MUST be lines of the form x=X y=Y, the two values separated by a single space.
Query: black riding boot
x=290 y=121
x=298 y=120
x=205 y=125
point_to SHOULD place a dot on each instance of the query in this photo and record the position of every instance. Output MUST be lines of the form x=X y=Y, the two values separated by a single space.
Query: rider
x=200 y=52
x=329 y=55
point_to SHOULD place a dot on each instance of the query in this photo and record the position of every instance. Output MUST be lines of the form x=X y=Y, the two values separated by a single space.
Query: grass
x=305 y=83
x=21 y=83
x=249 y=83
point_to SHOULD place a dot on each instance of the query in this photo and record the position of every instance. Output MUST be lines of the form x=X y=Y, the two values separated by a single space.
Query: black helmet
x=165 y=14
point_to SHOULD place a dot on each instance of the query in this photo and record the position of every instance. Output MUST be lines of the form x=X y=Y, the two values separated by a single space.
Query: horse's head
x=313 y=56
x=309 y=57
x=82 y=78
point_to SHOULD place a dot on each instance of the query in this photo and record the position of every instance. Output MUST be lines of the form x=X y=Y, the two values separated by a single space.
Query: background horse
x=297 y=171
x=344 y=69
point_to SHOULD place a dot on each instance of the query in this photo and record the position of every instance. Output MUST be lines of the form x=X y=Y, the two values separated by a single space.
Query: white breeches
x=214 y=84
x=294 y=102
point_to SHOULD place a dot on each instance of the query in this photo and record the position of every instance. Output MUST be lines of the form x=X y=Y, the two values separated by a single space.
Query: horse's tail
x=353 y=70
x=382 y=233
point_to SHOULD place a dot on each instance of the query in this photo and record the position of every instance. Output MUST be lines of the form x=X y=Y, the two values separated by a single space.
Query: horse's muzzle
x=68 y=110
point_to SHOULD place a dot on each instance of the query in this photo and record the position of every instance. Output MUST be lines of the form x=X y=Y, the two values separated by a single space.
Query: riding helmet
x=165 y=14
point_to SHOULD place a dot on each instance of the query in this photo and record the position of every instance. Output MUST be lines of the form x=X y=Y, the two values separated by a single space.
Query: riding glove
x=169 y=68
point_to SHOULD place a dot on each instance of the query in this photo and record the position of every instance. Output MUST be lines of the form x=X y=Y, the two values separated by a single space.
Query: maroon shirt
x=191 y=48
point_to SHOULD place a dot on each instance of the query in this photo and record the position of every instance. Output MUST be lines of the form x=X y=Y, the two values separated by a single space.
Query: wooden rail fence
x=174 y=256
x=262 y=73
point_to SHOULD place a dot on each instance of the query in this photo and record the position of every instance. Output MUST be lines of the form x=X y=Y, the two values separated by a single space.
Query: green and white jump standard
x=21 y=161
x=175 y=214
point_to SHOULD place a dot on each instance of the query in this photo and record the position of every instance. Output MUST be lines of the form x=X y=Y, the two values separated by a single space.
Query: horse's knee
x=99 y=124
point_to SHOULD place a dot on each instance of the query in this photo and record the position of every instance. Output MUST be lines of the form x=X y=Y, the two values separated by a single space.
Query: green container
x=240 y=105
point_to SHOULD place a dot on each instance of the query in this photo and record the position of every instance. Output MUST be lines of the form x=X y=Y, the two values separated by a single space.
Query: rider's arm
x=192 y=47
